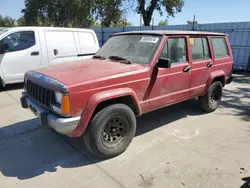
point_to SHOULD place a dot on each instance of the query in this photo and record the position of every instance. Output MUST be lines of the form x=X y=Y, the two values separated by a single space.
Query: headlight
x=58 y=97
x=64 y=108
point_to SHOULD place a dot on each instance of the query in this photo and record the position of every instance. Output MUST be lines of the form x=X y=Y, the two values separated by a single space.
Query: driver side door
x=172 y=84
x=23 y=54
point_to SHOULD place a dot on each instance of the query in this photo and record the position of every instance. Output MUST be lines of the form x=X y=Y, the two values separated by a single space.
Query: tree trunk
x=146 y=21
x=148 y=12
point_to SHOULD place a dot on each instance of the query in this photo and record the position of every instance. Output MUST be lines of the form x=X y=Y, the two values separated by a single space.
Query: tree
x=21 y=21
x=109 y=12
x=72 y=13
x=192 y=22
x=6 y=21
x=123 y=22
x=95 y=24
x=163 y=22
x=147 y=9
x=62 y=13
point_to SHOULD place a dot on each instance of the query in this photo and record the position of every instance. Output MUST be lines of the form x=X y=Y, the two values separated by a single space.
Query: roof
x=172 y=32
x=48 y=28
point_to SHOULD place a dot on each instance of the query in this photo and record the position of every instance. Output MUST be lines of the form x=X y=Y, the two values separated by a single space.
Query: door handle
x=34 y=53
x=210 y=64
x=187 y=68
x=55 y=52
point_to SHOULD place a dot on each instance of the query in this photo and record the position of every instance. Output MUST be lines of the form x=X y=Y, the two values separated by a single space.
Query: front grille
x=41 y=94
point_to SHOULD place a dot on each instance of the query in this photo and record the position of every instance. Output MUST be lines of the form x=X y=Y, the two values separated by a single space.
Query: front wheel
x=110 y=131
x=211 y=101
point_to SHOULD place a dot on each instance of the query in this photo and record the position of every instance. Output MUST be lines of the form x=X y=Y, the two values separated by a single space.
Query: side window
x=175 y=50
x=220 y=47
x=20 y=40
x=87 y=43
x=86 y=38
x=200 y=49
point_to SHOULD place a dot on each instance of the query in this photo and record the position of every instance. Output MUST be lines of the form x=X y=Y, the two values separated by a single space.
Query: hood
x=85 y=70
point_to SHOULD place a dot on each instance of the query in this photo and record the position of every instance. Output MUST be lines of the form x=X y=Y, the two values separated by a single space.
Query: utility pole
x=152 y=23
x=140 y=19
x=193 y=22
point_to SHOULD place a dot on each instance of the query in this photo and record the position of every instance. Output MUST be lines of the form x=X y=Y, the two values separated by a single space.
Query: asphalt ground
x=177 y=146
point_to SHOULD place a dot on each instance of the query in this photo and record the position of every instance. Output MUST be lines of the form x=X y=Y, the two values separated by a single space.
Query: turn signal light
x=65 y=105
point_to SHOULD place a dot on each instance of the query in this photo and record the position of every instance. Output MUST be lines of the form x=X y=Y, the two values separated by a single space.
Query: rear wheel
x=211 y=101
x=110 y=131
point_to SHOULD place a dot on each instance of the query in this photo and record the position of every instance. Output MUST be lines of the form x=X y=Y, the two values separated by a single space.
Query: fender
x=212 y=76
x=97 y=99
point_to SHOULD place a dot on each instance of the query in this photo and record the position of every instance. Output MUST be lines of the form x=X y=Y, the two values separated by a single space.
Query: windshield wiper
x=123 y=60
x=98 y=57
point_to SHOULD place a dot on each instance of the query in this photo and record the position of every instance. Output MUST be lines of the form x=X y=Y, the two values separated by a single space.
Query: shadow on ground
x=10 y=87
x=165 y=116
x=27 y=153
x=30 y=153
x=33 y=152
x=247 y=183
x=232 y=98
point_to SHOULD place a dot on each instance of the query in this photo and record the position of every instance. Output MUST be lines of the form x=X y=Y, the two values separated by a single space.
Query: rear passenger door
x=61 y=46
x=202 y=64
x=222 y=55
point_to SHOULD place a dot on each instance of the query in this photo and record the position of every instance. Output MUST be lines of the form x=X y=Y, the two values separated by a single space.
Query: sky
x=206 y=11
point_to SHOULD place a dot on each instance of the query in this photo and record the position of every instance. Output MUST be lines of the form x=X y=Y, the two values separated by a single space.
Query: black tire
x=110 y=131
x=211 y=101
x=1 y=84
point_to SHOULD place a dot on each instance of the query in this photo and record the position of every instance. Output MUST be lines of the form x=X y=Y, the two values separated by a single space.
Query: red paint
x=93 y=81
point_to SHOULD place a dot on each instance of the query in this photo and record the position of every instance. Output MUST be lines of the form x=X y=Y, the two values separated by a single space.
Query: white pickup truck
x=27 y=48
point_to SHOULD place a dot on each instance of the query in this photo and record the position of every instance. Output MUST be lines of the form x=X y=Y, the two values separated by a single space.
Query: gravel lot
x=178 y=146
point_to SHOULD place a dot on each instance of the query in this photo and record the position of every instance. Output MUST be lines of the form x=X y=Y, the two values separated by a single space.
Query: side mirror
x=164 y=63
x=4 y=48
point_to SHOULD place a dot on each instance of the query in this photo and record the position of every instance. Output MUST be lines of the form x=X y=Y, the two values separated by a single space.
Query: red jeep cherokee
x=132 y=74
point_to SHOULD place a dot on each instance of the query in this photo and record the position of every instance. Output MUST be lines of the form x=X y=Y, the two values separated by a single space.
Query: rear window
x=220 y=47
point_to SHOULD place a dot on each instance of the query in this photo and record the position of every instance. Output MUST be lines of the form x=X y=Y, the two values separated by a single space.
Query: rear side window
x=175 y=50
x=220 y=47
x=86 y=38
x=88 y=45
x=200 y=49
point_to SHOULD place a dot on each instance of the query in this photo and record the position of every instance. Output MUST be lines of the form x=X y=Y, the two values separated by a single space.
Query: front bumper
x=47 y=118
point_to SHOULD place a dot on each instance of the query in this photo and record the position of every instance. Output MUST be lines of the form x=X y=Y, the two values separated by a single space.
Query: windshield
x=134 y=48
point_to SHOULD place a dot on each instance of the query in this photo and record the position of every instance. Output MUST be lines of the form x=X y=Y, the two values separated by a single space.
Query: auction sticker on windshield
x=149 y=39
